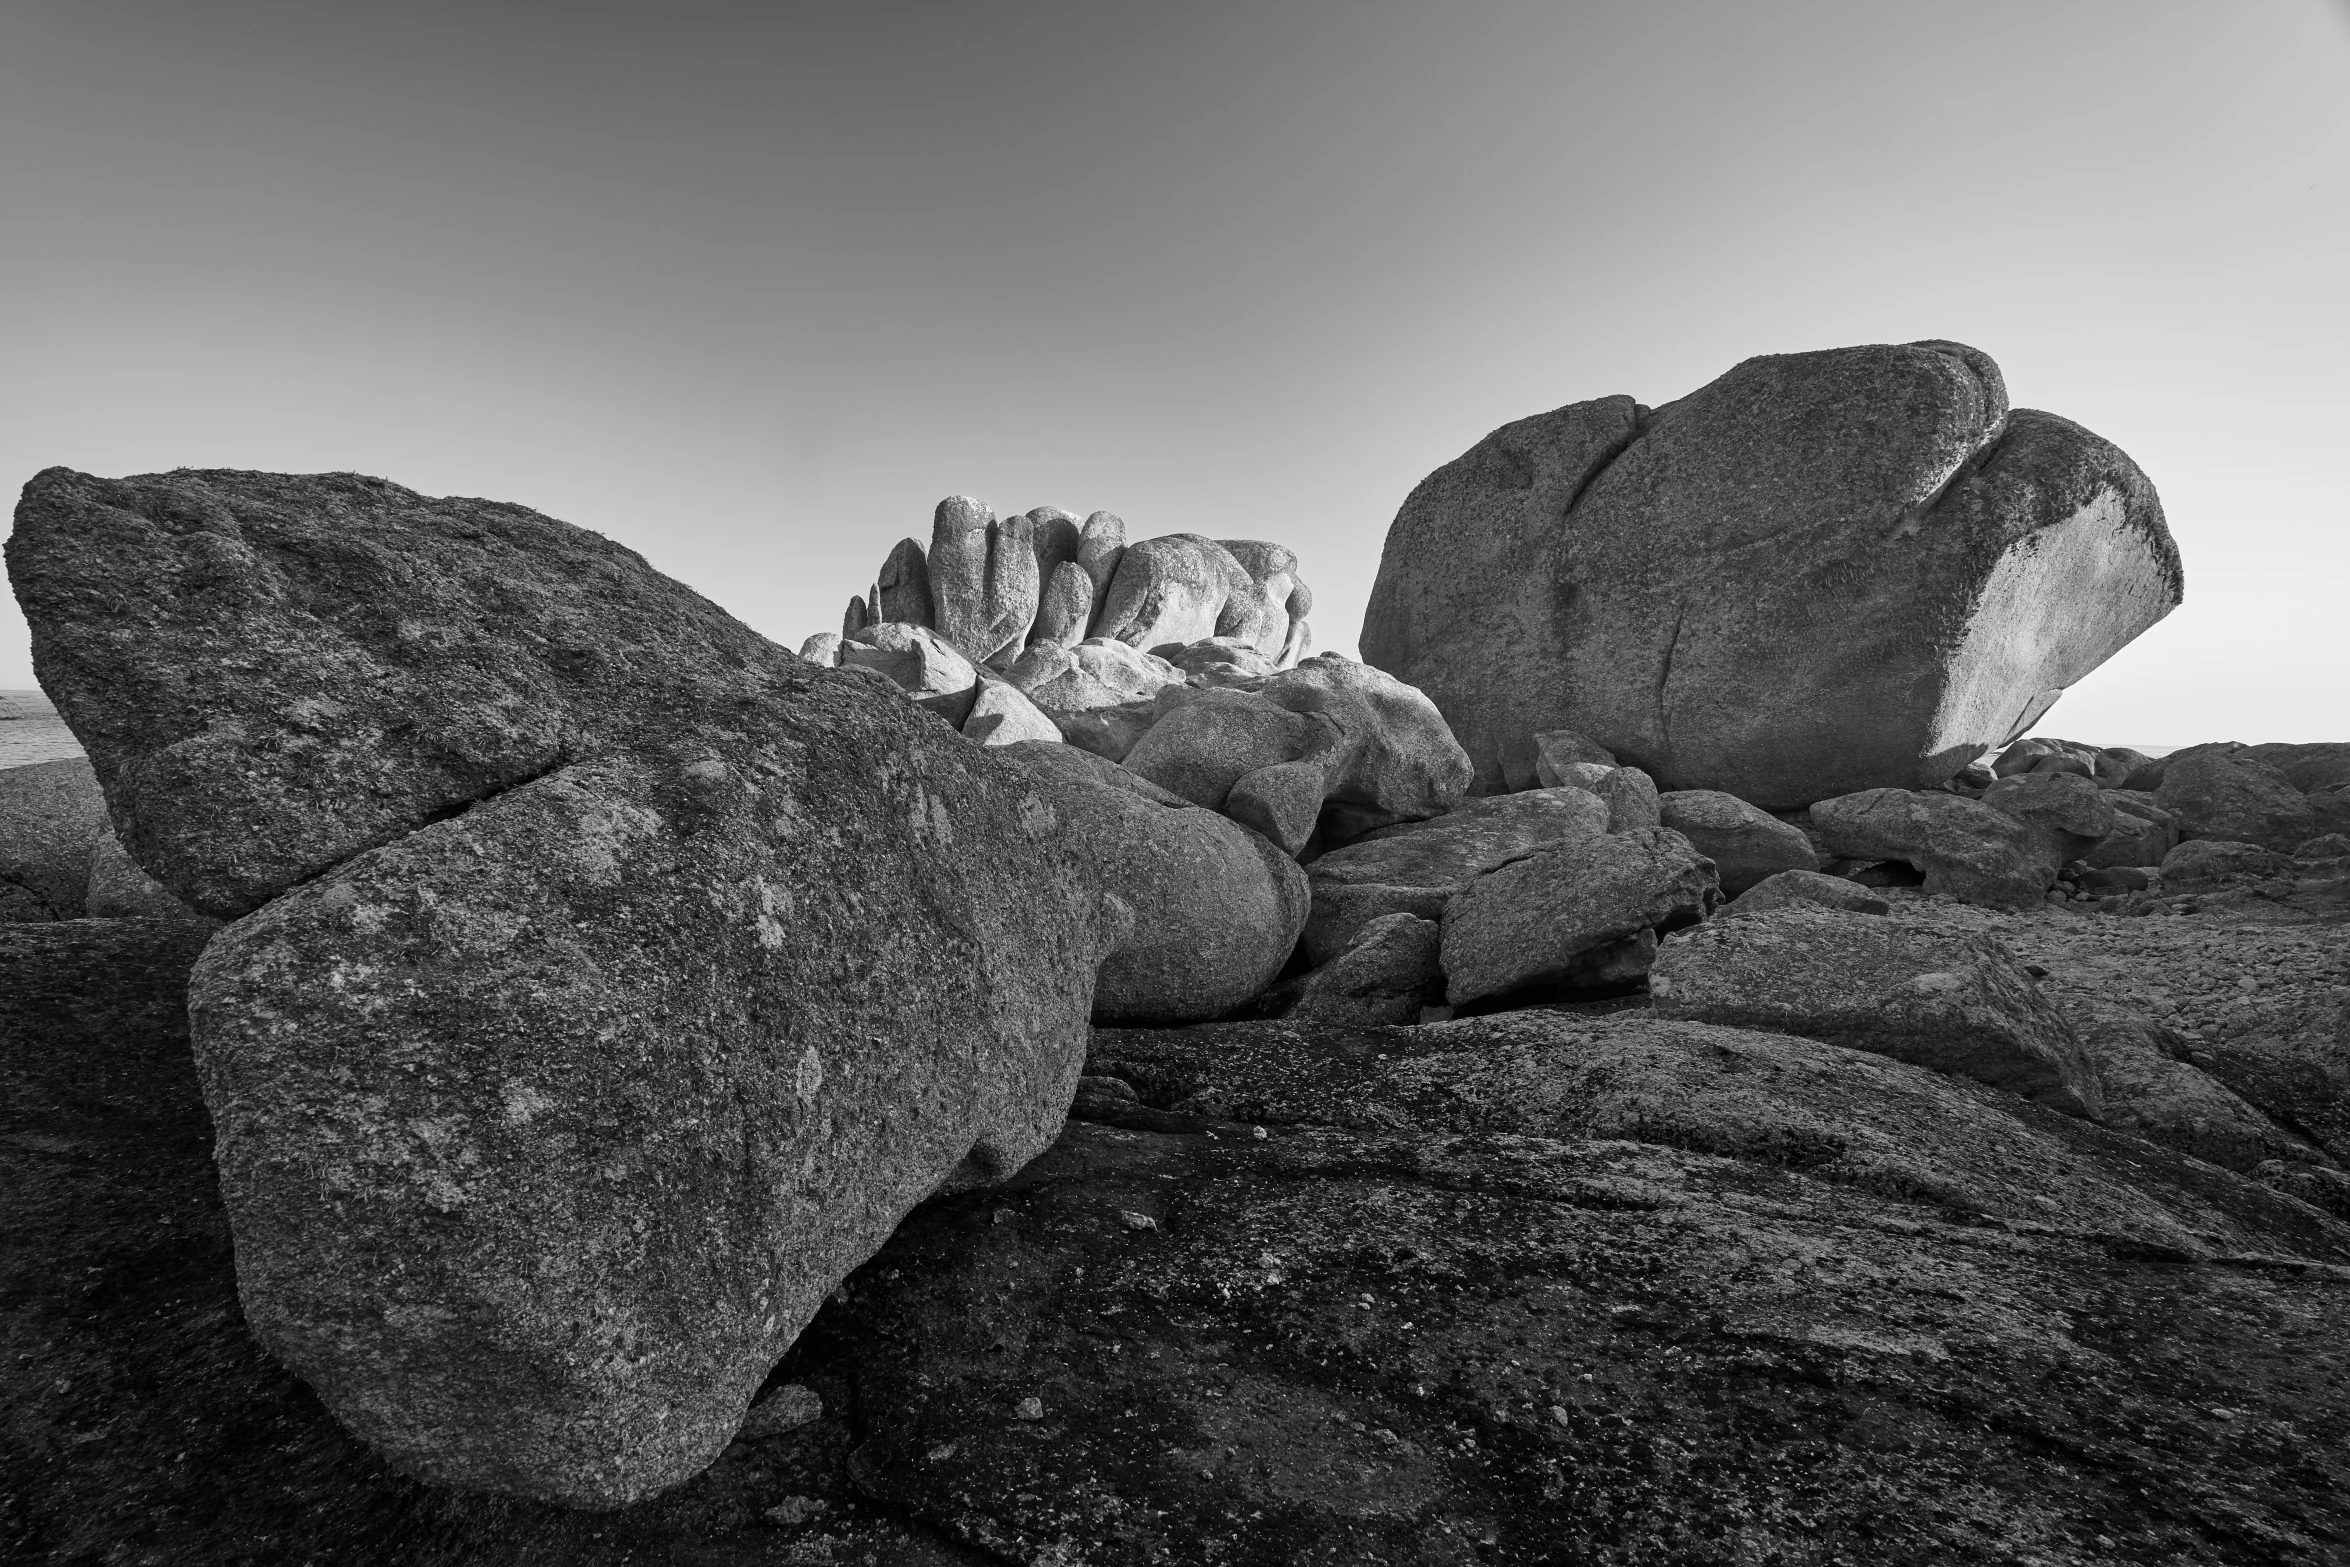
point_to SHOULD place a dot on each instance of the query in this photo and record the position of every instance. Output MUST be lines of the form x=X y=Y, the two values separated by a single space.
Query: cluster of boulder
x=603 y=983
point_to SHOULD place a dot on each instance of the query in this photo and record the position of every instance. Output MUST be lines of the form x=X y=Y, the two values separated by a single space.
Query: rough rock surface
x=1183 y=588
x=1821 y=573
x=1416 y=867
x=2143 y=832
x=274 y=672
x=51 y=818
x=1960 y=1005
x=2205 y=861
x=922 y=663
x=1098 y=672
x=2221 y=791
x=1548 y=919
x=544 y=1130
x=1961 y=846
x=118 y=889
x=983 y=582
x=1392 y=971
x=1805 y=889
x=2072 y=815
x=1001 y=715
x=1785 y=1299
x=1746 y=844
x=1214 y=908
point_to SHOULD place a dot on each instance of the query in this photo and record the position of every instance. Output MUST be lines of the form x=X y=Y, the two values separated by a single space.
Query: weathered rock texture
x=1956 y=1004
x=1211 y=909
x=1558 y=916
x=1821 y=573
x=52 y=815
x=1961 y=846
x=639 y=976
x=1747 y=845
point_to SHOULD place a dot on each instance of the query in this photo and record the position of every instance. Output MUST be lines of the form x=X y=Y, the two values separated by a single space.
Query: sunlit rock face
x=1821 y=573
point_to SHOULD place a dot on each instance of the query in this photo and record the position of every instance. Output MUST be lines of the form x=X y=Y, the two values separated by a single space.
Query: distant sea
x=31 y=731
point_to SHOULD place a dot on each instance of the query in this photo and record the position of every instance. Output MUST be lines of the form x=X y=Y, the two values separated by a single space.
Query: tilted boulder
x=1098 y=672
x=2209 y=862
x=1821 y=573
x=1330 y=732
x=1394 y=968
x=1001 y=715
x=1215 y=909
x=1579 y=912
x=626 y=977
x=2143 y=832
x=1747 y=845
x=1416 y=867
x=2222 y=791
x=2071 y=814
x=922 y=663
x=1958 y=1004
x=1184 y=588
x=1961 y=846
x=52 y=815
x=1805 y=889
x=2147 y=1089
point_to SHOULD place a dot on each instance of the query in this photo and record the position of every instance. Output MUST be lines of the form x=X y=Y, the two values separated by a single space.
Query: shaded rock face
x=52 y=815
x=1416 y=867
x=1747 y=846
x=1214 y=908
x=274 y=672
x=1562 y=916
x=638 y=978
x=2223 y=792
x=1394 y=969
x=1819 y=574
x=1955 y=1004
x=2214 y=861
x=1961 y=846
x=545 y=1130
x=2150 y=1089
x=2071 y=814
x=1799 y=889
x=2143 y=832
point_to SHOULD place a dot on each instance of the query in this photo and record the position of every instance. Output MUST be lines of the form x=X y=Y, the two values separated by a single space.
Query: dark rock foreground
x=1542 y=1287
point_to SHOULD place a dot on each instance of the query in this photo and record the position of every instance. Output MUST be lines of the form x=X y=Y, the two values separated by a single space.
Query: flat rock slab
x=1959 y=1004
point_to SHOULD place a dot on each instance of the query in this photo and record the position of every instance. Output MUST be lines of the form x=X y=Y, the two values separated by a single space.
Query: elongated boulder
x=1821 y=573
x=984 y=585
x=1958 y=1004
x=1215 y=909
x=1098 y=672
x=1747 y=845
x=2225 y=792
x=1801 y=888
x=1961 y=846
x=1183 y=588
x=1393 y=970
x=1552 y=918
x=2069 y=812
x=1416 y=867
x=274 y=672
x=544 y=1130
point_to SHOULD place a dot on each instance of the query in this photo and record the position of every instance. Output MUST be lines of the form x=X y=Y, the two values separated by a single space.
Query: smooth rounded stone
x=1955 y=1003
x=1274 y=566
x=2114 y=765
x=2330 y=846
x=1216 y=910
x=922 y=663
x=1222 y=661
x=1393 y=969
x=1002 y=715
x=1962 y=847
x=2322 y=764
x=52 y=815
x=2143 y=832
x=1065 y=610
x=2213 y=861
x=118 y=889
x=1536 y=921
x=2149 y=1091
x=1746 y=844
x=822 y=649
x=1098 y=672
x=788 y=1408
x=1100 y=544
x=1532 y=761
x=1822 y=573
x=1415 y=867
x=902 y=591
x=1057 y=534
x=1801 y=889
x=1183 y=588
x=1631 y=798
x=363 y=659
x=2220 y=791
x=1329 y=731
x=1107 y=732
x=545 y=1129
x=2069 y=809
x=983 y=580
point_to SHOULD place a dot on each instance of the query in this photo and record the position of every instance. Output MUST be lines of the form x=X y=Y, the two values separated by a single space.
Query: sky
x=750 y=288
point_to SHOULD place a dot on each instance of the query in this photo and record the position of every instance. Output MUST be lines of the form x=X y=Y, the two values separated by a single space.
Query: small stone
x=793 y=1511
x=1029 y=1408
x=786 y=1409
x=1134 y=1221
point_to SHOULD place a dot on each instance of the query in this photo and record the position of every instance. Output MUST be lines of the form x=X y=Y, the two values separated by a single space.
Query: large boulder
x=52 y=815
x=1821 y=573
x=2310 y=767
x=626 y=978
x=983 y=579
x=1416 y=867
x=1330 y=732
x=921 y=662
x=1098 y=672
x=2224 y=792
x=1394 y=969
x=1955 y=1003
x=1184 y=588
x=2150 y=1090
x=1805 y=889
x=1214 y=909
x=1747 y=845
x=2070 y=813
x=2143 y=832
x=1961 y=846
x=1581 y=913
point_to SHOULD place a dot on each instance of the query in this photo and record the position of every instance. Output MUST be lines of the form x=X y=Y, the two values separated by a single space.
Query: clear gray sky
x=750 y=287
